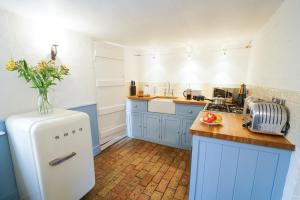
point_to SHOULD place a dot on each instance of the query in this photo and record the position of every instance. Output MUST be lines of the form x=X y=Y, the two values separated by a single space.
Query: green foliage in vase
x=42 y=76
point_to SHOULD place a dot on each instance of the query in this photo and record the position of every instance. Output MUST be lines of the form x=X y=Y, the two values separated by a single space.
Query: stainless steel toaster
x=266 y=117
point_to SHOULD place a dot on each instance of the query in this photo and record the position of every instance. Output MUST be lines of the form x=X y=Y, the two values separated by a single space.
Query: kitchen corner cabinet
x=171 y=130
x=230 y=170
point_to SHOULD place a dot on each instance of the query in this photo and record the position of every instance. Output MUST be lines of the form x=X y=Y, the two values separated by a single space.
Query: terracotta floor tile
x=150 y=188
x=156 y=195
x=169 y=194
x=135 y=169
x=180 y=192
x=162 y=186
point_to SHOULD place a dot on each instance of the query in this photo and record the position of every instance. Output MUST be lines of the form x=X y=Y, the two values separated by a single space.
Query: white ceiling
x=153 y=23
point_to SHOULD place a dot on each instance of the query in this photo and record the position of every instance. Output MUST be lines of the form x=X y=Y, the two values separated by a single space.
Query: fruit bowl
x=211 y=119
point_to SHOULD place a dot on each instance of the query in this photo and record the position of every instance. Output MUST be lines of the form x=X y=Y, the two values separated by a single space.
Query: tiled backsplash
x=292 y=188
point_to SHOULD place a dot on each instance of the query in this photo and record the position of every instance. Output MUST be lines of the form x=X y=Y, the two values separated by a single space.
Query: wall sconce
x=53 y=51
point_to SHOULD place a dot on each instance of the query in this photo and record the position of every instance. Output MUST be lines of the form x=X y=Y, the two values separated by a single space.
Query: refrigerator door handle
x=57 y=161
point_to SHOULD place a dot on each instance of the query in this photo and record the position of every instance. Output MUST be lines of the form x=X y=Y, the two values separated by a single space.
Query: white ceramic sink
x=161 y=105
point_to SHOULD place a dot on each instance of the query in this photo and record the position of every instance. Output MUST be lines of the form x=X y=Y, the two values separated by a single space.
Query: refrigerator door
x=62 y=149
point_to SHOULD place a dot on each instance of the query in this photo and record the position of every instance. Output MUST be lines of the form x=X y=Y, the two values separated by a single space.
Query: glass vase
x=44 y=104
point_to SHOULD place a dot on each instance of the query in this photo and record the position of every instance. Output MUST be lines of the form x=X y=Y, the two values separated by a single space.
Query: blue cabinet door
x=186 y=137
x=224 y=170
x=170 y=130
x=151 y=123
x=135 y=124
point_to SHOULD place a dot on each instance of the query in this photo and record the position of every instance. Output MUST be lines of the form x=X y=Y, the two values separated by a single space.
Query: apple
x=218 y=118
x=205 y=119
x=212 y=118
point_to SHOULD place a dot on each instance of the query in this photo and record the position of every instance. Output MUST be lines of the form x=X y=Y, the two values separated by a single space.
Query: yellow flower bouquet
x=42 y=76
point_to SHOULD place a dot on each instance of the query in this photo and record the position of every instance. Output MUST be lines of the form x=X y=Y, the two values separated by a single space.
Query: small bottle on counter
x=132 y=88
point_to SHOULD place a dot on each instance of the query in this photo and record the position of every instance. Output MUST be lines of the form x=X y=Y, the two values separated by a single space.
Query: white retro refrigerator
x=52 y=155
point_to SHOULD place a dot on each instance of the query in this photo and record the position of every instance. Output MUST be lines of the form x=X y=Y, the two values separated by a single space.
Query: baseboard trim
x=113 y=141
x=96 y=150
x=109 y=132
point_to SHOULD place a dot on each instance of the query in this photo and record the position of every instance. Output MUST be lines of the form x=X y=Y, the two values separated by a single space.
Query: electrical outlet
x=278 y=101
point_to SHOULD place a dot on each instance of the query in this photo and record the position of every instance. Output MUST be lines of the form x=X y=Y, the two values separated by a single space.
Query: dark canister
x=132 y=88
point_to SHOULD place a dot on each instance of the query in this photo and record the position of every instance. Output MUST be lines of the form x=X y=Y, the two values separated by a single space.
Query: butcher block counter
x=230 y=162
x=232 y=130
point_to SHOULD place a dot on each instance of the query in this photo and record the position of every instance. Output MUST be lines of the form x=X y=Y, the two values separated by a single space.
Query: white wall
x=205 y=66
x=32 y=40
x=275 y=57
x=274 y=71
x=203 y=70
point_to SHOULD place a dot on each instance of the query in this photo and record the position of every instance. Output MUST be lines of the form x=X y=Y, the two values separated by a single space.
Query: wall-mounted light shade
x=53 y=51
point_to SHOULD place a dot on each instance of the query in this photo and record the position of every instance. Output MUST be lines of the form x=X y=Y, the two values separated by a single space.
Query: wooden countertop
x=232 y=130
x=141 y=98
x=193 y=102
x=177 y=100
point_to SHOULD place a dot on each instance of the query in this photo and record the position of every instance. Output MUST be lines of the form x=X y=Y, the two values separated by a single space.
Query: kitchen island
x=230 y=162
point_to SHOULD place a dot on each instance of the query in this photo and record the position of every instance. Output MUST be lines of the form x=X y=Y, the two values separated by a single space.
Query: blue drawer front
x=137 y=106
x=188 y=110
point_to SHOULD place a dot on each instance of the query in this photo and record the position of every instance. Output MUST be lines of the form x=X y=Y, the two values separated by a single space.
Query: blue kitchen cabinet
x=186 y=136
x=224 y=170
x=134 y=124
x=151 y=125
x=136 y=106
x=91 y=110
x=188 y=111
x=170 y=130
x=8 y=186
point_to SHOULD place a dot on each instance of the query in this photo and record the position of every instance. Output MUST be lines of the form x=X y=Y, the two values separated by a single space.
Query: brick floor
x=135 y=169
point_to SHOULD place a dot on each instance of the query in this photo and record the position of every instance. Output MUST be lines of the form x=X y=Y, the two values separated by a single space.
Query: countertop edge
x=242 y=139
x=290 y=147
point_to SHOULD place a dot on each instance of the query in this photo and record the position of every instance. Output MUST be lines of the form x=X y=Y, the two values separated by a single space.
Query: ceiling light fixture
x=249 y=45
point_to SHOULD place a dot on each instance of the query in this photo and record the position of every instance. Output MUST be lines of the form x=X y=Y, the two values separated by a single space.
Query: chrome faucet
x=169 y=87
x=168 y=91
